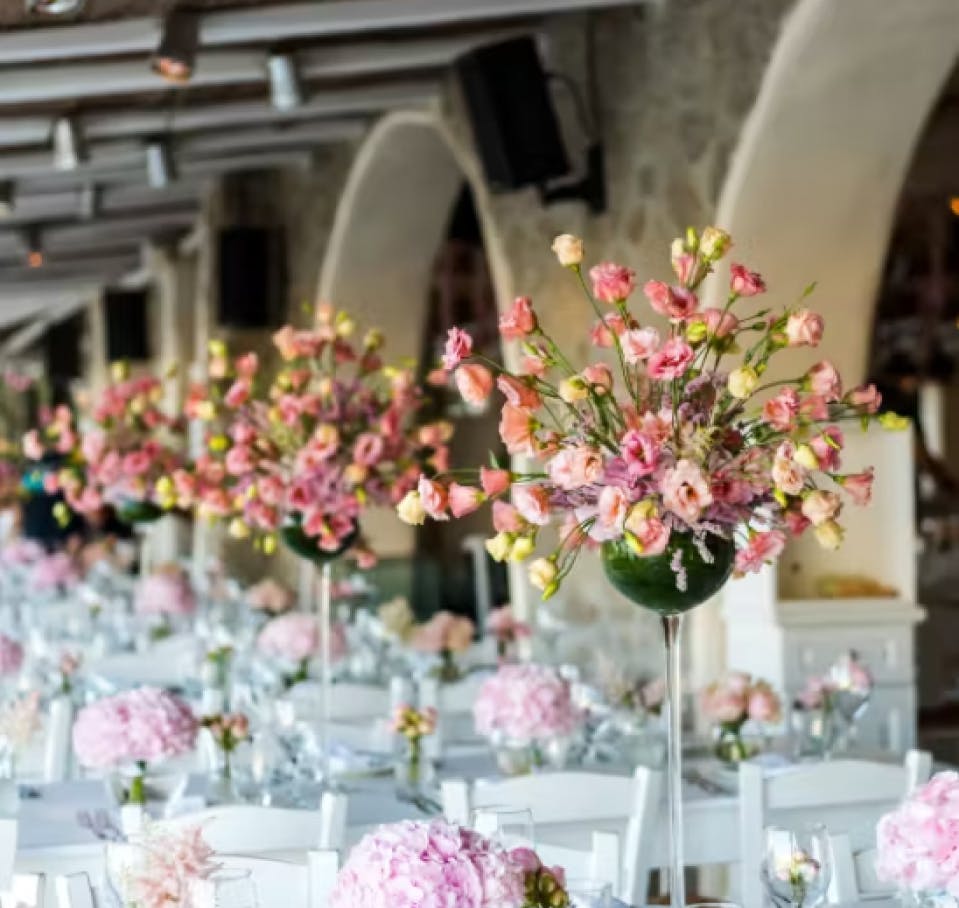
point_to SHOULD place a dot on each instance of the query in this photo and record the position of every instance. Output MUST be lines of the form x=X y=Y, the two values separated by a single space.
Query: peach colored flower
x=517 y=428
x=820 y=506
x=675 y=303
x=859 y=486
x=761 y=549
x=474 y=382
x=612 y=283
x=787 y=475
x=781 y=411
x=686 y=491
x=639 y=344
x=602 y=333
x=494 y=481
x=532 y=502
x=763 y=704
x=599 y=376
x=519 y=321
x=568 y=249
x=434 y=498
x=612 y=507
x=650 y=532
x=865 y=397
x=459 y=345
x=804 y=329
x=518 y=393
x=506 y=519
x=464 y=500
x=823 y=379
x=573 y=468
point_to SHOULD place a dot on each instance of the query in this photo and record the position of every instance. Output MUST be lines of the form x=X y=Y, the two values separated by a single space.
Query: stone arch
x=813 y=183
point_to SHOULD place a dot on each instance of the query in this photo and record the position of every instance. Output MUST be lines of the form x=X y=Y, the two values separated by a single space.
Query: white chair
x=288 y=883
x=74 y=891
x=251 y=829
x=581 y=800
x=603 y=862
x=854 y=876
x=27 y=890
x=843 y=795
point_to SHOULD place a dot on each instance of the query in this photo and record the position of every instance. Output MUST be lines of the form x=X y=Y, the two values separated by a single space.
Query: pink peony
x=54 y=572
x=526 y=702
x=686 y=491
x=11 y=656
x=295 y=637
x=532 y=502
x=459 y=346
x=804 y=329
x=144 y=725
x=428 y=865
x=744 y=282
x=519 y=321
x=672 y=360
x=762 y=548
x=474 y=382
x=612 y=283
x=167 y=591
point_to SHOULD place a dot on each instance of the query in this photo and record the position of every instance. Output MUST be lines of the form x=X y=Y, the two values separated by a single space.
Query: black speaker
x=61 y=348
x=514 y=122
x=127 y=317
x=252 y=277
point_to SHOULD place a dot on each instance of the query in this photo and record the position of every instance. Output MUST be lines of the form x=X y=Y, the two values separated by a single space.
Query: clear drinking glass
x=589 y=894
x=225 y=889
x=511 y=827
x=796 y=866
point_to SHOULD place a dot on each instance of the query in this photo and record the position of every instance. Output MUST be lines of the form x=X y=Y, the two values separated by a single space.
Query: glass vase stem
x=326 y=666
x=672 y=631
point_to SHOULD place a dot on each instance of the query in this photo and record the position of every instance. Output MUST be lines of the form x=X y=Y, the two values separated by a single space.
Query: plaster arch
x=813 y=183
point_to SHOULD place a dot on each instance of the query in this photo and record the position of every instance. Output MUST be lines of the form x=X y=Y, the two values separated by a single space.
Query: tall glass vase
x=671 y=584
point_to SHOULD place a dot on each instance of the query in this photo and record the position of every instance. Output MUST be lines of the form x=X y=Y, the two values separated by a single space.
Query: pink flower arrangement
x=311 y=446
x=21 y=552
x=506 y=628
x=849 y=675
x=173 y=860
x=675 y=442
x=918 y=844
x=437 y=865
x=444 y=633
x=167 y=591
x=295 y=638
x=738 y=698
x=11 y=656
x=54 y=572
x=144 y=725
x=629 y=692
x=525 y=702
x=270 y=597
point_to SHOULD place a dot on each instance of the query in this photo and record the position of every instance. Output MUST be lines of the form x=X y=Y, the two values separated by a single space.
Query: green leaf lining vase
x=138 y=512
x=295 y=539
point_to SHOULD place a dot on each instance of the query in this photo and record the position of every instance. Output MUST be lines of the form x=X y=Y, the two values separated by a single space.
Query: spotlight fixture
x=286 y=92
x=7 y=198
x=33 y=242
x=160 y=168
x=88 y=203
x=954 y=205
x=54 y=7
x=176 y=53
x=68 y=150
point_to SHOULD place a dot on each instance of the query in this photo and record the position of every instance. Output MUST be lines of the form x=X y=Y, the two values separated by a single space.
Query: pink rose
x=612 y=283
x=494 y=481
x=532 y=502
x=433 y=497
x=464 y=500
x=519 y=321
x=651 y=534
x=780 y=412
x=761 y=549
x=612 y=508
x=671 y=361
x=859 y=486
x=804 y=329
x=639 y=344
x=686 y=491
x=474 y=382
x=517 y=428
x=518 y=393
x=823 y=379
x=459 y=345
x=866 y=398
x=573 y=468
x=820 y=506
x=719 y=324
x=744 y=282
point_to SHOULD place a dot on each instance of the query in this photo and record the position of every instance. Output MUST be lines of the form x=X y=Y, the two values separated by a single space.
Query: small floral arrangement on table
x=11 y=656
x=634 y=693
x=130 y=454
x=21 y=552
x=664 y=452
x=173 y=860
x=270 y=597
x=733 y=701
x=525 y=706
x=164 y=594
x=294 y=639
x=801 y=873
x=56 y=438
x=229 y=731
x=413 y=725
x=19 y=722
x=55 y=572
x=435 y=864
x=507 y=630
x=917 y=841
x=445 y=635
x=68 y=667
x=133 y=730
x=305 y=450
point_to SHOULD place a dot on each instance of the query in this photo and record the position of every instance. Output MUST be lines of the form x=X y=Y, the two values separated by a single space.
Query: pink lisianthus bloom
x=238 y=393
x=641 y=452
x=368 y=449
x=671 y=361
x=787 y=475
x=434 y=498
x=719 y=323
x=53 y=572
x=144 y=725
x=639 y=344
x=517 y=428
x=744 y=282
x=859 y=486
x=506 y=518
x=603 y=332
x=686 y=491
x=612 y=508
x=612 y=283
x=428 y=865
x=866 y=397
x=459 y=346
x=650 y=533
x=599 y=376
x=11 y=656
x=270 y=596
x=781 y=411
x=464 y=500
x=167 y=591
x=823 y=379
x=573 y=468
x=519 y=321
x=494 y=481
x=827 y=446
x=444 y=632
x=762 y=548
x=474 y=382
x=819 y=506
x=518 y=393
x=675 y=303
x=532 y=502
x=804 y=329
x=526 y=702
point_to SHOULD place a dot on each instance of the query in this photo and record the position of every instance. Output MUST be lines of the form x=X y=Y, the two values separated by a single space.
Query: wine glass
x=511 y=827
x=230 y=888
x=796 y=867
x=589 y=894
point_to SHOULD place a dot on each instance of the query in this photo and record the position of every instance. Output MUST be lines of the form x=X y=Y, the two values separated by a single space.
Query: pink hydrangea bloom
x=142 y=725
x=20 y=552
x=52 y=572
x=444 y=632
x=165 y=592
x=428 y=865
x=296 y=636
x=11 y=655
x=525 y=702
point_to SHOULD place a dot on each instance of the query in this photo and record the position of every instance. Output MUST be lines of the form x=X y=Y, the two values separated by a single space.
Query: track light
x=7 y=198
x=88 y=203
x=54 y=7
x=286 y=93
x=160 y=169
x=68 y=150
x=176 y=53
x=33 y=241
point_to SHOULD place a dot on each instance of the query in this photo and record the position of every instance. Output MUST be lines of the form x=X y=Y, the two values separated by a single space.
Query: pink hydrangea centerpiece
x=294 y=639
x=135 y=728
x=438 y=865
x=445 y=634
x=11 y=656
x=730 y=703
x=53 y=573
x=166 y=592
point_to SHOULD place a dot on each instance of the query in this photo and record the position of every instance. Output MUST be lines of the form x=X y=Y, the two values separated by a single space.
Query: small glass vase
x=555 y=752
x=730 y=746
x=221 y=787
x=514 y=758
x=413 y=772
x=815 y=733
x=652 y=583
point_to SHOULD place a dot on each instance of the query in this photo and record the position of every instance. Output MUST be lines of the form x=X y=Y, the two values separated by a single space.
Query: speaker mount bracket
x=591 y=188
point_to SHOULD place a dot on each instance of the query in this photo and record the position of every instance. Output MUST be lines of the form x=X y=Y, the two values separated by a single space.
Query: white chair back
x=348 y=700
x=56 y=748
x=27 y=890
x=603 y=862
x=584 y=799
x=74 y=891
x=8 y=851
x=845 y=796
x=854 y=876
x=287 y=883
x=251 y=829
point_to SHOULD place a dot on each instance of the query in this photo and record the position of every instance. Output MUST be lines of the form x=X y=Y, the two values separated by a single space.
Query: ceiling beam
x=57 y=271
x=275 y=23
